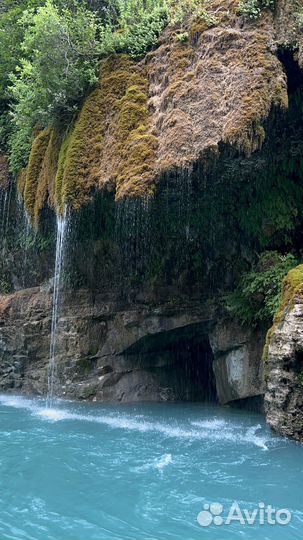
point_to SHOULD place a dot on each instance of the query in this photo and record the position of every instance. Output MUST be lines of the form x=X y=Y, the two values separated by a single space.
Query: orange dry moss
x=245 y=130
x=217 y=87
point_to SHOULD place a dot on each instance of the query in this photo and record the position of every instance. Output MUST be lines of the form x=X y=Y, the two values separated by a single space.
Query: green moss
x=292 y=286
x=21 y=181
x=132 y=110
x=60 y=173
x=138 y=145
x=111 y=139
x=76 y=174
x=111 y=143
x=33 y=171
x=46 y=183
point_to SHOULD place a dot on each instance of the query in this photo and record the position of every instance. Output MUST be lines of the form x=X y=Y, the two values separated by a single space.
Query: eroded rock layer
x=110 y=350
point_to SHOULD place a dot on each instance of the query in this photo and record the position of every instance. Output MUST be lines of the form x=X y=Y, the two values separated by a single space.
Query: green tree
x=258 y=294
x=51 y=50
x=57 y=68
x=11 y=38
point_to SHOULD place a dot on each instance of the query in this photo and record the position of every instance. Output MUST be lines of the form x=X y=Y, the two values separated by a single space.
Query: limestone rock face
x=284 y=391
x=237 y=361
x=113 y=351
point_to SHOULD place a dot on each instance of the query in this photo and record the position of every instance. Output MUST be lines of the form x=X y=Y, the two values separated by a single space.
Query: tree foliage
x=56 y=69
x=50 y=51
x=258 y=294
x=251 y=9
x=135 y=28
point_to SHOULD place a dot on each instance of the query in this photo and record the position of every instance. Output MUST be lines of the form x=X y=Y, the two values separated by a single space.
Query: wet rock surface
x=110 y=351
x=284 y=369
x=237 y=361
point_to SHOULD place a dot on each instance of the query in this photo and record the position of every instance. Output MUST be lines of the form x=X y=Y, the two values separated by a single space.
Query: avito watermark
x=261 y=515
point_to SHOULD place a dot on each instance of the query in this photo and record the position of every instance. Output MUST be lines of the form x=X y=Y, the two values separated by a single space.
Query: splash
x=218 y=431
x=60 y=253
x=165 y=460
x=212 y=424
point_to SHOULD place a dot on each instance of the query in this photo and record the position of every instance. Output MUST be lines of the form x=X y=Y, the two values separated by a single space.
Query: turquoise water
x=142 y=471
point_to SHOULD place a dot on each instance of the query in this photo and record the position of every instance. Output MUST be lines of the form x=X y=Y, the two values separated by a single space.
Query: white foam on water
x=165 y=460
x=17 y=402
x=258 y=440
x=215 y=423
x=132 y=424
x=158 y=463
x=230 y=431
x=211 y=430
x=52 y=414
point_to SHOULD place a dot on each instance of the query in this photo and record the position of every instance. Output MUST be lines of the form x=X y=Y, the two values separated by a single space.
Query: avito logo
x=212 y=515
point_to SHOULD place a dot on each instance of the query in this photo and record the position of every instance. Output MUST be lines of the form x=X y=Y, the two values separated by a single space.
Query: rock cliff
x=180 y=169
x=109 y=350
x=284 y=362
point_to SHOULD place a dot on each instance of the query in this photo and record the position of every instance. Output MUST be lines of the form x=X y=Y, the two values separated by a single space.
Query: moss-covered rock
x=292 y=287
x=181 y=104
x=284 y=361
x=110 y=142
x=46 y=184
x=37 y=182
x=34 y=170
x=21 y=181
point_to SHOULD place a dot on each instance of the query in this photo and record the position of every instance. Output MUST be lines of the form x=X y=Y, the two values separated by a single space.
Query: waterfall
x=25 y=232
x=60 y=251
x=132 y=232
x=5 y=203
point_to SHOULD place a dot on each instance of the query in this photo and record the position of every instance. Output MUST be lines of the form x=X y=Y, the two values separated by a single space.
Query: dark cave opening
x=180 y=362
x=296 y=363
x=292 y=69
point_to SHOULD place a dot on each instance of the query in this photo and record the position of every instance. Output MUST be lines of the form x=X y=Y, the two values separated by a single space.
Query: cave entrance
x=179 y=363
x=292 y=69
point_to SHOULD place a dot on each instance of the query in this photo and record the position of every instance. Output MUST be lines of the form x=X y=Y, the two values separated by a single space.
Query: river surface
x=144 y=471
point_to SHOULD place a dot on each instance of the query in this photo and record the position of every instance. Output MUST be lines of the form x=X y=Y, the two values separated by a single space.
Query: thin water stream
x=62 y=222
x=5 y=203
